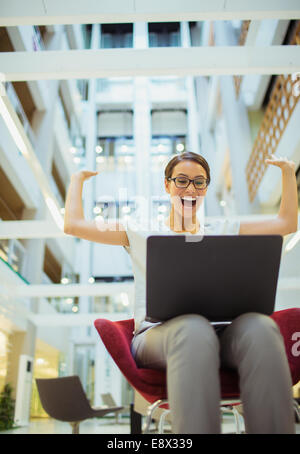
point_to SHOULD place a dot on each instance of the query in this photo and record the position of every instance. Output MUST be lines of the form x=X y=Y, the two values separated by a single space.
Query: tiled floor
x=100 y=426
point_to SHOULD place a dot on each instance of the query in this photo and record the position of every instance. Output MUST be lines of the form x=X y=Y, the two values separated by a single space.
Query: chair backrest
x=63 y=398
x=150 y=383
x=117 y=336
x=288 y=321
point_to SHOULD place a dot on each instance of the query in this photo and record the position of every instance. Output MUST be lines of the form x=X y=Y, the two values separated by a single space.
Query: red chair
x=151 y=383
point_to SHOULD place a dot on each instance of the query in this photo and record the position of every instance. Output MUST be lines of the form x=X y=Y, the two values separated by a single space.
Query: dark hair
x=190 y=156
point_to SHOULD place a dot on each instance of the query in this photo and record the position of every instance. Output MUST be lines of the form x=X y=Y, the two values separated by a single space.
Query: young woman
x=188 y=347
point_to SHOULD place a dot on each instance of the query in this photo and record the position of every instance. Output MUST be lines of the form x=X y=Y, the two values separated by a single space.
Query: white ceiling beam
x=195 y=61
x=48 y=229
x=66 y=290
x=49 y=12
x=101 y=289
x=29 y=229
x=70 y=320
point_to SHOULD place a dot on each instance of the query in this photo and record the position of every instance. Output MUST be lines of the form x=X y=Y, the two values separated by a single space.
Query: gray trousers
x=191 y=352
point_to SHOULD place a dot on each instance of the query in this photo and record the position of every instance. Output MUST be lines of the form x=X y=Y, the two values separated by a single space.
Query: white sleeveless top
x=137 y=237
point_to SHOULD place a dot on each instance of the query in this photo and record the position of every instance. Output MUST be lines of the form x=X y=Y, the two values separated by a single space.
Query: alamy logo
x=296 y=345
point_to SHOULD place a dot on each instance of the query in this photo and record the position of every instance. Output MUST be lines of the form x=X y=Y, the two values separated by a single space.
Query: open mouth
x=188 y=201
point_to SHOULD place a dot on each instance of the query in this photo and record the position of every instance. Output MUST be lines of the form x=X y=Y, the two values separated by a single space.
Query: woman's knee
x=257 y=331
x=255 y=323
x=192 y=329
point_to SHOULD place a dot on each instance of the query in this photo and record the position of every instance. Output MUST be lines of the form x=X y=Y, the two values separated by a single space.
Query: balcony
x=13 y=253
x=13 y=97
x=63 y=137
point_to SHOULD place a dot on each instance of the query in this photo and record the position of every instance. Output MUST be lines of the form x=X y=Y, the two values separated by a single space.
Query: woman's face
x=186 y=208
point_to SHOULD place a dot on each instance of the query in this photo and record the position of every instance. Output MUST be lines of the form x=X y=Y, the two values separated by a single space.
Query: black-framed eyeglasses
x=184 y=182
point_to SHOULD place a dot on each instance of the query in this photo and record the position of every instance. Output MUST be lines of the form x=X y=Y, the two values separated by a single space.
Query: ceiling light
x=40 y=361
x=97 y=210
x=180 y=147
x=98 y=149
x=73 y=150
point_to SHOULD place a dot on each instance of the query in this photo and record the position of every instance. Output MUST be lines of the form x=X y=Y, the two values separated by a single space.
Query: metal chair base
x=224 y=408
x=150 y=411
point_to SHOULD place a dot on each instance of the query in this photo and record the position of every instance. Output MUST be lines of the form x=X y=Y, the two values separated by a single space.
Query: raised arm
x=286 y=221
x=75 y=224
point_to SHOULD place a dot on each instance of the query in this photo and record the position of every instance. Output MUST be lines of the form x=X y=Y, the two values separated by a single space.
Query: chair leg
x=237 y=416
x=150 y=411
x=162 y=421
x=237 y=419
x=75 y=427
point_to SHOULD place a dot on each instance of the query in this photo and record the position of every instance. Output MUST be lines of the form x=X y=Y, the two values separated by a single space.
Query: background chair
x=151 y=383
x=109 y=401
x=63 y=398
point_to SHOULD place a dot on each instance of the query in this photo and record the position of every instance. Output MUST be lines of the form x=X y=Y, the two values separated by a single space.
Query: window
x=164 y=34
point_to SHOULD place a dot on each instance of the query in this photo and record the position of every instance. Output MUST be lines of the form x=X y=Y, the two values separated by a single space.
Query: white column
x=86 y=247
x=109 y=377
x=237 y=126
x=193 y=117
x=142 y=124
x=193 y=126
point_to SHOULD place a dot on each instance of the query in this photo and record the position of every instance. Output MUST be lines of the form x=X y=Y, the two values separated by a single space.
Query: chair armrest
x=288 y=321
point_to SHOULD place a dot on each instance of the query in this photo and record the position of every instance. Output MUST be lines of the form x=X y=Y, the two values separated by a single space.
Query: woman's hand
x=84 y=174
x=283 y=163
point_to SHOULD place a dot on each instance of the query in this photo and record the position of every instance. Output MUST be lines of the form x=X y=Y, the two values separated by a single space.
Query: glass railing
x=112 y=304
x=12 y=252
x=13 y=97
